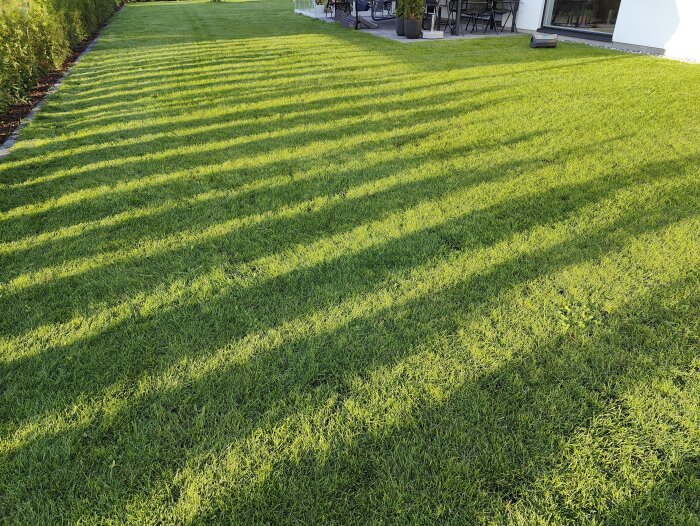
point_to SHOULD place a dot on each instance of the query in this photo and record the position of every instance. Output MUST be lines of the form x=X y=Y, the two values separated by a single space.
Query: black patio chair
x=466 y=15
x=478 y=11
x=505 y=11
x=432 y=7
x=339 y=8
x=382 y=9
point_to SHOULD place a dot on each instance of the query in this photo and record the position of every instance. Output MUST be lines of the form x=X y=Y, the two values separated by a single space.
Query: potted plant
x=412 y=11
x=399 y=18
x=320 y=8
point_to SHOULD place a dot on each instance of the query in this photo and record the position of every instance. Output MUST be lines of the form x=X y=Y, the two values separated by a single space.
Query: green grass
x=260 y=269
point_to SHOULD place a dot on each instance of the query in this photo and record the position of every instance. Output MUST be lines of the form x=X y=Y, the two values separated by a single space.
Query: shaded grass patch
x=288 y=273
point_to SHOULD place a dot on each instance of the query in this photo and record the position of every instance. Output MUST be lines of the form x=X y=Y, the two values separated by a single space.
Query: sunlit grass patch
x=259 y=269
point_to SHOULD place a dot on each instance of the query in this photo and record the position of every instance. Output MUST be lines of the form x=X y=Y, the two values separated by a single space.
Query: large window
x=584 y=15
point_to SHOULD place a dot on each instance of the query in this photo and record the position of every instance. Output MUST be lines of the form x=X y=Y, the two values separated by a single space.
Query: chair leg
x=510 y=18
x=472 y=19
x=475 y=22
x=495 y=26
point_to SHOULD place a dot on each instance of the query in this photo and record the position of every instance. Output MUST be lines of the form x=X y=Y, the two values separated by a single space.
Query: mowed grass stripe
x=259 y=269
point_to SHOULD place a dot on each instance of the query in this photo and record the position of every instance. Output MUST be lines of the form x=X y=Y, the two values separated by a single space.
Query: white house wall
x=530 y=14
x=671 y=25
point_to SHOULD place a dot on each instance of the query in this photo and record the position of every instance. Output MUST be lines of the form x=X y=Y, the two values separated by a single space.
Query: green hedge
x=37 y=36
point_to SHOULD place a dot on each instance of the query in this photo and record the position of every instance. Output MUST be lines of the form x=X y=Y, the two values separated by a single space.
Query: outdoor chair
x=493 y=13
x=339 y=8
x=505 y=11
x=465 y=15
x=433 y=7
x=474 y=11
x=382 y=9
x=483 y=14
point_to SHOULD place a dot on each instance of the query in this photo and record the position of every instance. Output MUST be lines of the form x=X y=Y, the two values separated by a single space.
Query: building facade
x=668 y=26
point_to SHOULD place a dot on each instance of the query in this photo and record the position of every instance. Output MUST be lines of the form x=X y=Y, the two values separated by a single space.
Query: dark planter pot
x=400 y=27
x=413 y=28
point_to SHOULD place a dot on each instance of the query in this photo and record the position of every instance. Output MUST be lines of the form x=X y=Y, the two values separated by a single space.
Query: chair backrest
x=342 y=6
x=475 y=6
x=507 y=5
x=452 y=6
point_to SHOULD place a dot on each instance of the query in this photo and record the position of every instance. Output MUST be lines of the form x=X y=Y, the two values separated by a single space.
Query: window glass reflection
x=585 y=15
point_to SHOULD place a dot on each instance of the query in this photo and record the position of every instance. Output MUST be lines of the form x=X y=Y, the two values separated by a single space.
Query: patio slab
x=387 y=29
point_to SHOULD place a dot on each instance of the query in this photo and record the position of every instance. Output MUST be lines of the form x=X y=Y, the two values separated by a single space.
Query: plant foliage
x=412 y=9
x=37 y=36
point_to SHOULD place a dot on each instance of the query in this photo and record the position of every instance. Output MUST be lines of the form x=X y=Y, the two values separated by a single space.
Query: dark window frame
x=571 y=32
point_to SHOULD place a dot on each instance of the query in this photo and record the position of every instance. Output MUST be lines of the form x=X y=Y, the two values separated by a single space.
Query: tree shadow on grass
x=240 y=252
x=134 y=411
x=475 y=453
x=297 y=140
x=235 y=92
x=256 y=210
x=394 y=54
x=673 y=499
x=220 y=85
x=368 y=75
x=378 y=93
x=264 y=229
x=163 y=430
x=370 y=266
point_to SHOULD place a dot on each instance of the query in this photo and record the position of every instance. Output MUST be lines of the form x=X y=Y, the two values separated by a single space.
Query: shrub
x=412 y=9
x=37 y=36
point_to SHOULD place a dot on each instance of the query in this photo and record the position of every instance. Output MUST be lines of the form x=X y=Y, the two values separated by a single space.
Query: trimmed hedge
x=36 y=36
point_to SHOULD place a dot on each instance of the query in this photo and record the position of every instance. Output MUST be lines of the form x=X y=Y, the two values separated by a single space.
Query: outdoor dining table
x=491 y=5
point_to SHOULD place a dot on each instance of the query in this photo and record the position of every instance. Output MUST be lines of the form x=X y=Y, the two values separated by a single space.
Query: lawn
x=260 y=269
